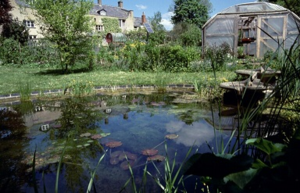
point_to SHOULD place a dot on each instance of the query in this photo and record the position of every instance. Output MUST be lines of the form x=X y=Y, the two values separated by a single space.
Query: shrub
x=178 y=59
x=217 y=55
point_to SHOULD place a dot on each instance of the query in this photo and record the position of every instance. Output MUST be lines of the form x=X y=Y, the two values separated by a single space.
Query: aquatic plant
x=260 y=157
x=25 y=91
x=172 y=177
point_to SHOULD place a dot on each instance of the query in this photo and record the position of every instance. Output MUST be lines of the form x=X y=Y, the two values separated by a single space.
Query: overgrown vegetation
x=67 y=25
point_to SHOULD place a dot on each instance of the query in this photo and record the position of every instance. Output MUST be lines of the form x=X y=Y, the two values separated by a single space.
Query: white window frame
x=122 y=23
x=29 y=23
x=99 y=28
x=32 y=37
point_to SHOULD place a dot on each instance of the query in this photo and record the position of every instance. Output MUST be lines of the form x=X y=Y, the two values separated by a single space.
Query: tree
x=15 y=30
x=5 y=8
x=156 y=22
x=292 y=5
x=190 y=11
x=159 y=34
x=66 y=24
x=206 y=3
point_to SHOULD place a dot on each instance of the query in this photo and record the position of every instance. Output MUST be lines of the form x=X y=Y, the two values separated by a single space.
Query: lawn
x=13 y=78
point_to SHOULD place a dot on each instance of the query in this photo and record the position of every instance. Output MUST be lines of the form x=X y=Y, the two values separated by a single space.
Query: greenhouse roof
x=253 y=7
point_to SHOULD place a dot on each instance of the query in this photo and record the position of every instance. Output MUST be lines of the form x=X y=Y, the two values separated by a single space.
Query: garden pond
x=72 y=135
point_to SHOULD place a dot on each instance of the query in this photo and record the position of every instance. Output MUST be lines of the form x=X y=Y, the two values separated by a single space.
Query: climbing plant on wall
x=111 y=25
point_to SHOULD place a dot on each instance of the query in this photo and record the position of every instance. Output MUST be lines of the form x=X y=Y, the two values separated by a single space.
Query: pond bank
x=15 y=97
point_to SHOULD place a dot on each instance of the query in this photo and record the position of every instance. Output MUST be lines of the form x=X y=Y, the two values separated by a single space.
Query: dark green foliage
x=217 y=55
x=292 y=5
x=67 y=25
x=41 y=52
x=177 y=58
x=137 y=35
x=5 y=8
x=15 y=30
x=187 y=34
x=158 y=37
x=138 y=56
x=278 y=172
x=111 y=25
x=12 y=52
x=190 y=11
x=208 y=164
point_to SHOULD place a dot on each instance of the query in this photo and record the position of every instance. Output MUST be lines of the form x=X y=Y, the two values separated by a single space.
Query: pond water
x=77 y=132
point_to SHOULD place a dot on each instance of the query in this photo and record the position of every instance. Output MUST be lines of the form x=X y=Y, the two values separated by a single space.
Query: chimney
x=99 y=2
x=143 y=18
x=120 y=4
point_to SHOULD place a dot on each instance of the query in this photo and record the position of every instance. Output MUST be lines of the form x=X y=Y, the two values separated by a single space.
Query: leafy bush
x=158 y=37
x=15 y=30
x=9 y=51
x=217 y=55
x=177 y=58
x=139 y=35
x=41 y=52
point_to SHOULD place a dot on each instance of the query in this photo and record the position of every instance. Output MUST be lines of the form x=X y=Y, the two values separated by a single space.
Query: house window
x=102 y=12
x=29 y=23
x=121 y=23
x=32 y=37
x=99 y=28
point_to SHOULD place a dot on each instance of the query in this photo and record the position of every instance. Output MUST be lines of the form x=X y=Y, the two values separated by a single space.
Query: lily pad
x=149 y=152
x=172 y=136
x=158 y=158
x=85 y=135
x=105 y=134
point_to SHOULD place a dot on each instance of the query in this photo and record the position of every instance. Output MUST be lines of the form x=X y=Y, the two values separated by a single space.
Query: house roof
x=111 y=11
x=22 y=3
x=137 y=22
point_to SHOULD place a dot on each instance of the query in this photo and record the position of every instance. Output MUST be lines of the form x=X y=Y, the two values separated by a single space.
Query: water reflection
x=12 y=143
x=194 y=134
x=80 y=128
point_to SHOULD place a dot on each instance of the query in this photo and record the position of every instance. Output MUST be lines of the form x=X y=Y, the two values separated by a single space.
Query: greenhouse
x=254 y=28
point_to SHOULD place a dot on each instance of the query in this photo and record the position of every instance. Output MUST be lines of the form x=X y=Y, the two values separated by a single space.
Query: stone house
x=127 y=21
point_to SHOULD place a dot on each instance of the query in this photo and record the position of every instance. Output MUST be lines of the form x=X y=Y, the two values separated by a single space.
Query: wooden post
x=258 y=34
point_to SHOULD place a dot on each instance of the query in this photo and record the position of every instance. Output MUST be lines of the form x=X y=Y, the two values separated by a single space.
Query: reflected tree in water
x=12 y=130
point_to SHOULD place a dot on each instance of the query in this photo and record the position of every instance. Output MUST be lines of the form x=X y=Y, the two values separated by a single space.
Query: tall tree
x=5 y=8
x=292 y=5
x=159 y=34
x=206 y=3
x=190 y=11
x=65 y=23
x=156 y=22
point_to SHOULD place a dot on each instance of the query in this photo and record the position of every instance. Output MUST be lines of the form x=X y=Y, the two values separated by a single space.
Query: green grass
x=42 y=79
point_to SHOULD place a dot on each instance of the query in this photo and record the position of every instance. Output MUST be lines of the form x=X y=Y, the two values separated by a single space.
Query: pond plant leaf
x=241 y=179
x=172 y=136
x=149 y=152
x=126 y=164
x=158 y=158
x=265 y=145
x=113 y=144
x=96 y=136
x=209 y=164
x=85 y=135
